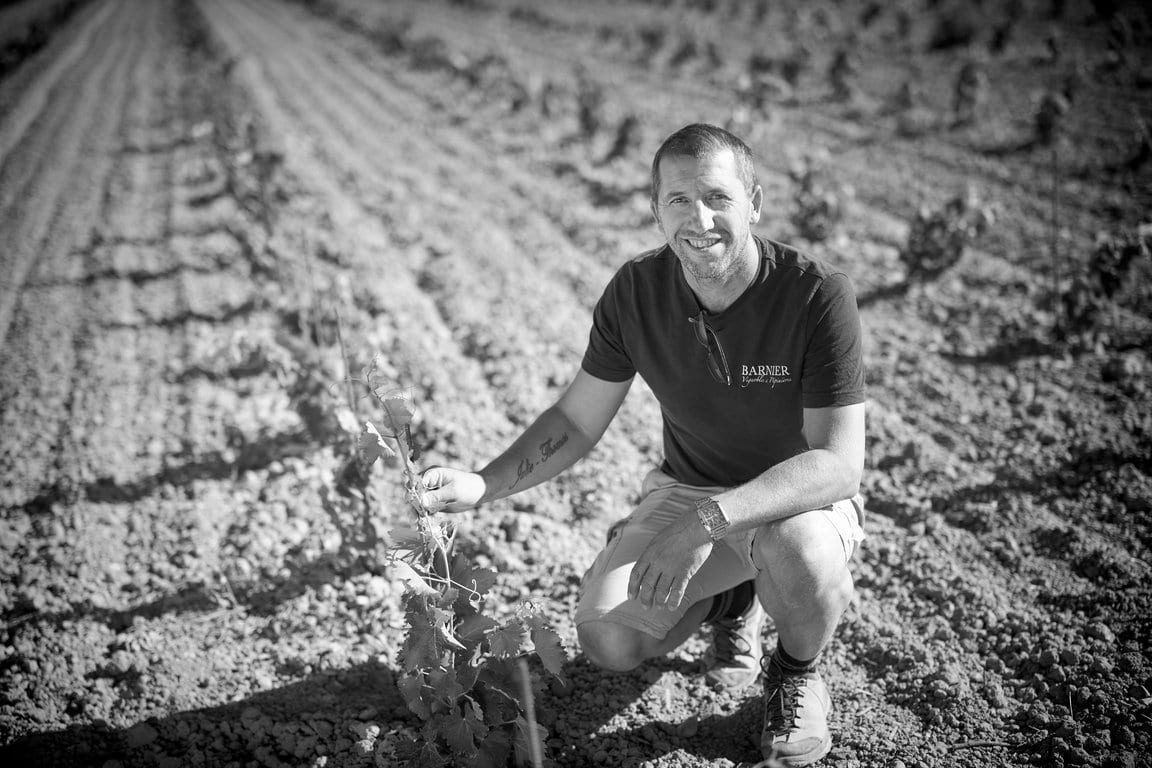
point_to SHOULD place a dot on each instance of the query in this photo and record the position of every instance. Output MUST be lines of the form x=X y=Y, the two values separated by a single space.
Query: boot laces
x=727 y=641
x=782 y=695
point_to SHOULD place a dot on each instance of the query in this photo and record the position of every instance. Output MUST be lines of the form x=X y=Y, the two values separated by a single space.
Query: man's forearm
x=549 y=446
x=810 y=480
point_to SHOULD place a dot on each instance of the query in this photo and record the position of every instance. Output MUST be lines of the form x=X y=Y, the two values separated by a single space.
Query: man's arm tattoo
x=548 y=449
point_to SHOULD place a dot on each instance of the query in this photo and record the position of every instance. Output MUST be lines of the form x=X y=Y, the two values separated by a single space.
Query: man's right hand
x=451 y=490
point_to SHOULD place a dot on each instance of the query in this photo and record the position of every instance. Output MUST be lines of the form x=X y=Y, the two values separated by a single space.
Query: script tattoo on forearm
x=548 y=449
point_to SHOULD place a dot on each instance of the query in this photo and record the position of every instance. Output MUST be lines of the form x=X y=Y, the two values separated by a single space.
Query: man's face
x=706 y=213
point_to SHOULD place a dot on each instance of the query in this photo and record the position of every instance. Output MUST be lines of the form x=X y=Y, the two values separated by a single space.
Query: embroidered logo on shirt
x=765 y=374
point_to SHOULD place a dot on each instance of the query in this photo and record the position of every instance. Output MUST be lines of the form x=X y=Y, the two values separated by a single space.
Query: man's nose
x=701 y=215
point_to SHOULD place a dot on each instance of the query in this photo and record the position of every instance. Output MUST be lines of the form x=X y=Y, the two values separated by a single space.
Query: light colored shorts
x=604 y=588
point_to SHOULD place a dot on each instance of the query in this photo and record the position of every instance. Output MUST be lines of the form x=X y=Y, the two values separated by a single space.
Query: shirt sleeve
x=606 y=356
x=833 y=373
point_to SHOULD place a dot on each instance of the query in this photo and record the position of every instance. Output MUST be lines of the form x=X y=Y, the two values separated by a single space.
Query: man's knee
x=806 y=546
x=611 y=646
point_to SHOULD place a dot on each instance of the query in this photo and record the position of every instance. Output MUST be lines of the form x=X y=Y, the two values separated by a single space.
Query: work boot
x=736 y=648
x=796 y=711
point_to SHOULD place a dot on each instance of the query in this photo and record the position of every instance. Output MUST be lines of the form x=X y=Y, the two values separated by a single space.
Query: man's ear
x=757 y=201
x=655 y=211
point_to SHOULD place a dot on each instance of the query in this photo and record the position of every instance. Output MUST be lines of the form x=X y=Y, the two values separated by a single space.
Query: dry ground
x=191 y=191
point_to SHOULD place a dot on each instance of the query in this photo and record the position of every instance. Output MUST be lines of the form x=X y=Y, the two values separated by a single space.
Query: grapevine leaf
x=474 y=584
x=428 y=757
x=462 y=731
x=445 y=686
x=371 y=445
x=439 y=616
x=510 y=640
x=412 y=689
x=473 y=628
x=442 y=619
x=412 y=579
x=534 y=619
x=522 y=741
x=469 y=672
x=475 y=715
x=406 y=538
x=472 y=577
x=420 y=648
x=550 y=650
x=494 y=750
x=496 y=692
x=400 y=410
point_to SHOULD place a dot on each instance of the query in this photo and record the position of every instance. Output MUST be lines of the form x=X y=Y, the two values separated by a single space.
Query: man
x=753 y=351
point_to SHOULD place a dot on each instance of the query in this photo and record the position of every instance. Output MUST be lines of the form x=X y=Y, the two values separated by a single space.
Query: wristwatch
x=712 y=518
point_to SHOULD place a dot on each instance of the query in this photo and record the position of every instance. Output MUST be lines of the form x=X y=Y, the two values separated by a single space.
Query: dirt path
x=191 y=192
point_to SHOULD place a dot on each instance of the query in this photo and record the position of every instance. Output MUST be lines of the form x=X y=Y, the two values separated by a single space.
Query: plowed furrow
x=22 y=98
x=49 y=230
x=53 y=171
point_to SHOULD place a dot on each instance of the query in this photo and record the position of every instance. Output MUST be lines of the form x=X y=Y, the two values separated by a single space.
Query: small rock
x=1131 y=663
x=140 y=735
x=1100 y=631
x=1122 y=736
x=1077 y=756
x=995 y=695
x=365 y=730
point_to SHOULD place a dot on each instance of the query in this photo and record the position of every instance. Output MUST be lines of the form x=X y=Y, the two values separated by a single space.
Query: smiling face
x=706 y=213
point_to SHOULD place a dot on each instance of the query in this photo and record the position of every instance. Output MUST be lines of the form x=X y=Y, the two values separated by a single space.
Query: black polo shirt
x=792 y=341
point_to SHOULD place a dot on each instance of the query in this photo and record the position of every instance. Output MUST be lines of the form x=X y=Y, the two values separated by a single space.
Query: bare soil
x=192 y=192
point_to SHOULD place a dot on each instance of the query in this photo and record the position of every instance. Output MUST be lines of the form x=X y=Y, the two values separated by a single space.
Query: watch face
x=712 y=517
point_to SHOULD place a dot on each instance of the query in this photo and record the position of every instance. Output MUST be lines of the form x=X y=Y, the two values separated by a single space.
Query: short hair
x=703 y=140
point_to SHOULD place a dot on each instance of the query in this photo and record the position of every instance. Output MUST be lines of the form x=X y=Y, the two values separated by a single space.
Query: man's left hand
x=672 y=558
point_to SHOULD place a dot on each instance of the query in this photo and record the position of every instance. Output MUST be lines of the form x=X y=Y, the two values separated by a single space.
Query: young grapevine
x=461 y=669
